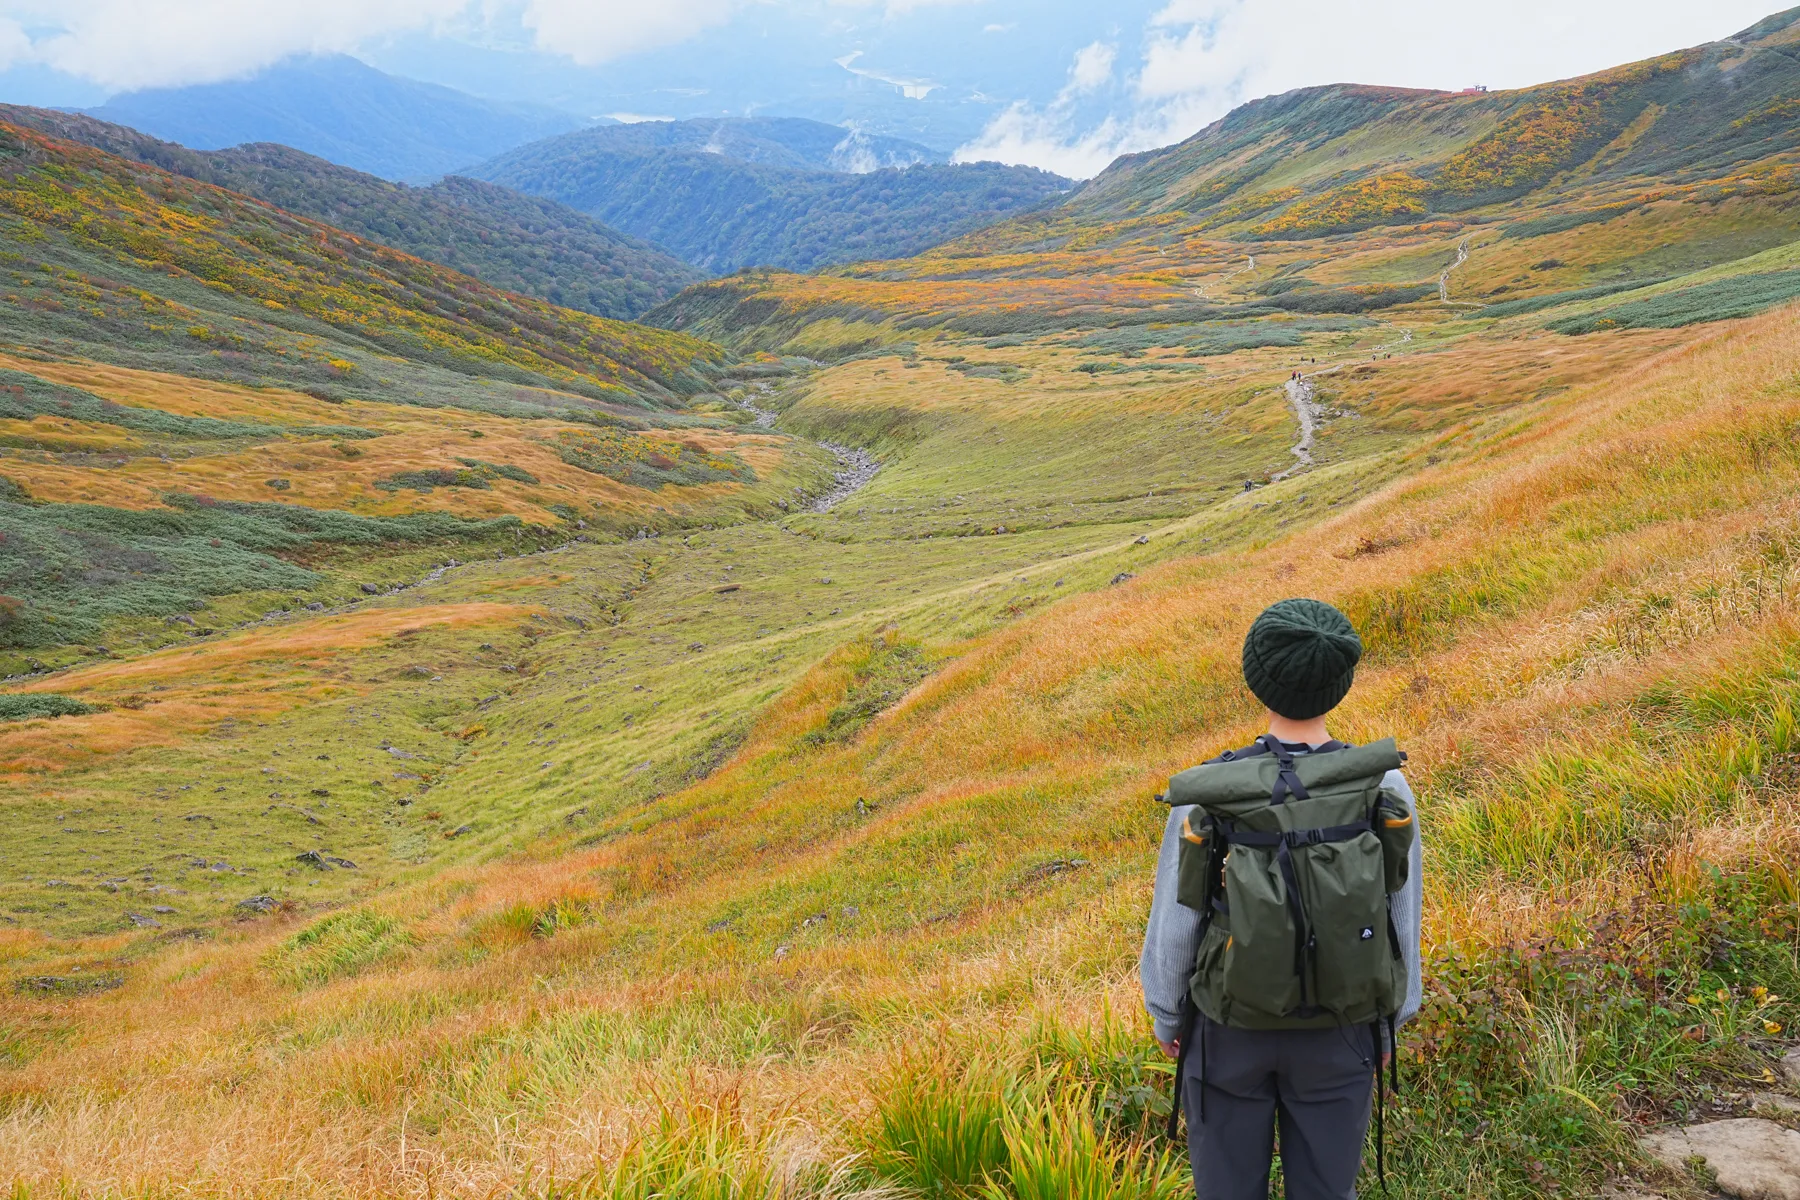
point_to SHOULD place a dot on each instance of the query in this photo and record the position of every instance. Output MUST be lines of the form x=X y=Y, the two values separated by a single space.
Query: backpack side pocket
x=1396 y=827
x=1194 y=882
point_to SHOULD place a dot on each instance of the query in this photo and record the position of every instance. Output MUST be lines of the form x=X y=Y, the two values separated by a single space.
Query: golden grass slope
x=1580 y=619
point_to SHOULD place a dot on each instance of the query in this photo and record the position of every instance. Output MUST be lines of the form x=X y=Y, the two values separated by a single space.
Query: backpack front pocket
x=1257 y=971
x=1351 y=951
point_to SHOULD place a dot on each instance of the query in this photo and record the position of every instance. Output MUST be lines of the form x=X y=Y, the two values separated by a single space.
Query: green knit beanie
x=1300 y=658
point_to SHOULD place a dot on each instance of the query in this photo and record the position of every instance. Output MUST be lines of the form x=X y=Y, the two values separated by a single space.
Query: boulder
x=259 y=904
x=1790 y=1068
x=1751 y=1158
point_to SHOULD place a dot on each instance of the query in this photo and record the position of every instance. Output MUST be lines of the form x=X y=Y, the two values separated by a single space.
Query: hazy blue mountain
x=792 y=142
x=792 y=193
x=341 y=110
x=521 y=243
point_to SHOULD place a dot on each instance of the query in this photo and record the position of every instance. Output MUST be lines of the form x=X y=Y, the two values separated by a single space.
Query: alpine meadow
x=460 y=742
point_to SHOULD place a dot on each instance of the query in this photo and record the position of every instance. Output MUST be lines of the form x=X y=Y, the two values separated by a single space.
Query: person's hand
x=1171 y=1048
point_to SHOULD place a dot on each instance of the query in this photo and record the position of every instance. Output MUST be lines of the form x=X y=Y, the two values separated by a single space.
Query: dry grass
x=1525 y=603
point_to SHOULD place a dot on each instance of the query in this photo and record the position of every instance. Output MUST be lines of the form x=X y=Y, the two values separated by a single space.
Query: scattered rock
x=143 y=922
x=178 y=619
x=720 y=925
x=1751 y=1158
x=815 y=919
x=161 y=908
x=397 y=752
x=1142 y=541
x=315 y=606
x=850 y=910
x=370 y=589
x=314 y=858
x=1056 y=867
x=781 y=952
x=1122 y=576
x=320 y=792
x=62 y=985
x=459 y=831
x=259 y=904
x=1776 y=1102
x=198 y=817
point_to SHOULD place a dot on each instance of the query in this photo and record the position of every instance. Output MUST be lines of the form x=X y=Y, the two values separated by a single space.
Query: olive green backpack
x=1290 y=860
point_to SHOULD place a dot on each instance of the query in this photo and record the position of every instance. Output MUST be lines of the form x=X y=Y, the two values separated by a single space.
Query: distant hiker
x=1283 y=944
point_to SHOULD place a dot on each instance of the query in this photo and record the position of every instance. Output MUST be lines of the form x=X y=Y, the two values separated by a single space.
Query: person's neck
x=1286 y=729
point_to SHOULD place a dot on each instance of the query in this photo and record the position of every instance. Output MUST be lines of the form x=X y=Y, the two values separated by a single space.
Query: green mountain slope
x=517 y=242
x=113 y=260
x=342 y=110
x=721 y=213
x=1327 y=160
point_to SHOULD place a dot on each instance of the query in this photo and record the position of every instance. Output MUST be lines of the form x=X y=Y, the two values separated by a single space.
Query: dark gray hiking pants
x=1317 y=1083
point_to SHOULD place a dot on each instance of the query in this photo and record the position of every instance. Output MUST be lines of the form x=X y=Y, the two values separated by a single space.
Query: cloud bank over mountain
x=1061 y=84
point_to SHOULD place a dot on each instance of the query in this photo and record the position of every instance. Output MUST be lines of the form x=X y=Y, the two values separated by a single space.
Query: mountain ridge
x=342 y=110
x=516 y=242
x=722 y=213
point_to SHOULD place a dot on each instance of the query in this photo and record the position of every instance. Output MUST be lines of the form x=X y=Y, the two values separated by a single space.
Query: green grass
x=336 y=946
x=1739 y=296
x=1530 y=304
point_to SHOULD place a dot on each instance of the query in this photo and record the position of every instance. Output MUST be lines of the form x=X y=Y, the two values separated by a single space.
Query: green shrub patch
x=27 y=707
x=67 y=568
x=1740 y=296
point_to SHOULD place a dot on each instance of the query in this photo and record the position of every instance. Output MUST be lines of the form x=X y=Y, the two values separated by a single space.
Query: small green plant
x=940 y=1131
x=341 y=944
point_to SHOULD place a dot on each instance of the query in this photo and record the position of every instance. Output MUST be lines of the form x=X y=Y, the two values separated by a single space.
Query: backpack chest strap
x=1295 y=837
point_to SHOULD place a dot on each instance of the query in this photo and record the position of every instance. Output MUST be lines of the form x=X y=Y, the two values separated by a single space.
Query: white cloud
x=597 y=31
x=1093 y=66
x=1201 y=58
x=15 y=46
x=148 y=43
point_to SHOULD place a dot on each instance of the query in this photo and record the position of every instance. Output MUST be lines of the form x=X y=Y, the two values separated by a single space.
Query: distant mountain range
x=342 y=110
x=725 y=194
x=521 y=243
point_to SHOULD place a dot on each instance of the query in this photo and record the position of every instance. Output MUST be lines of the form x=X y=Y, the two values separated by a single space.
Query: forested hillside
x=779 y=206
x=516 y=242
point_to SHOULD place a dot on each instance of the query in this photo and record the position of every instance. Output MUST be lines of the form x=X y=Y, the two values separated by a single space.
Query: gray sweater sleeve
x=1172 y=937
x=1409 y=903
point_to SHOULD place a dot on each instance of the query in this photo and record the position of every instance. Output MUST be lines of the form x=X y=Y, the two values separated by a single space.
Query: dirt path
x=1221 y=281
x=1462 y=256
x=856 y=468
x=1307 y=412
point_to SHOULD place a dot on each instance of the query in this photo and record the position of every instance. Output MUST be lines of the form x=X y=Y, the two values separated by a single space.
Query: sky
x=1066 y=85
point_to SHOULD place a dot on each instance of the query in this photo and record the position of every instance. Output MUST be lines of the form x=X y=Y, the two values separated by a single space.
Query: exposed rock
x=1777 y=1102
x=1790 y=1068
x=1751 y=1158
x=370 y=589
x=259 y=904
x=1122 y=576
x=143 y=922
x=1142 y=541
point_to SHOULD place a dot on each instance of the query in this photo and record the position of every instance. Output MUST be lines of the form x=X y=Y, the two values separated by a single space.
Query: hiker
x=1282 y=950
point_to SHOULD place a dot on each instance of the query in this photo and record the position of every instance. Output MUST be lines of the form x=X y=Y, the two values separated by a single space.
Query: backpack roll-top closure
x=1252 y=780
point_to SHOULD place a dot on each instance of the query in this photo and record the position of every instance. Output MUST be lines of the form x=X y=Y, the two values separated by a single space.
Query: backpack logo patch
x=1368 y=931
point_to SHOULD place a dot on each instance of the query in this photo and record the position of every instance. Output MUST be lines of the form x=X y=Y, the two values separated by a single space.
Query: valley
x=714 y=755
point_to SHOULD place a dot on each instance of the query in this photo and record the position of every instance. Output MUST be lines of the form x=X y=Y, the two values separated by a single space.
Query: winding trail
x=1462 y=256
x=1221 y=281
x=1307 y=412
x=856 y=468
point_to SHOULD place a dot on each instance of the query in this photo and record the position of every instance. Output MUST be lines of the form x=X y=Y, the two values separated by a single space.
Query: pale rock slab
x=1753 y=1159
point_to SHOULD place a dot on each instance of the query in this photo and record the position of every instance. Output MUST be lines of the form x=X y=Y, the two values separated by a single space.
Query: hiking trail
x=1249 y=265
x=1462 y=256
